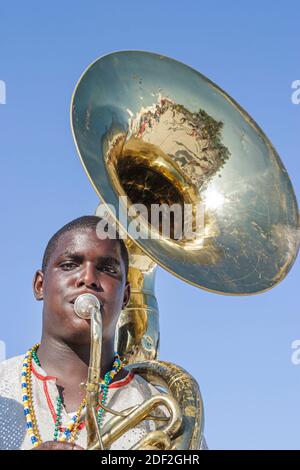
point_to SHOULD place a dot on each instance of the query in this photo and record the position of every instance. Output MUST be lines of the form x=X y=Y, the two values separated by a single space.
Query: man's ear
x=126 y=295
x=38 y=282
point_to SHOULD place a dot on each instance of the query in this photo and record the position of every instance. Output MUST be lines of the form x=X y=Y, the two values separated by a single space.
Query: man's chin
x=77 y=332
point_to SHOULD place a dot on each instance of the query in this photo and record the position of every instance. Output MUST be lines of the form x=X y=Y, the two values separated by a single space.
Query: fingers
x=53 y=445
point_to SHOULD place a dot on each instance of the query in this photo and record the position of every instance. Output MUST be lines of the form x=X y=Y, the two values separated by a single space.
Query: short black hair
x=85 y=221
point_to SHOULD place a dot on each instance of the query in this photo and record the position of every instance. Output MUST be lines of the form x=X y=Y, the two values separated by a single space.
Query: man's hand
x=56 y=445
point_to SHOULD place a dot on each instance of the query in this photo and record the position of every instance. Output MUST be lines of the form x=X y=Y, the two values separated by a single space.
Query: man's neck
x=69 y=363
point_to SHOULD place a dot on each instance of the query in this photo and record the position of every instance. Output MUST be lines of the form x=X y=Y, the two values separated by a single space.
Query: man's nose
x=88 y=277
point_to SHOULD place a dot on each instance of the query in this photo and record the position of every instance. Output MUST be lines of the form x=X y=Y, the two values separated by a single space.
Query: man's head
x=76 y=261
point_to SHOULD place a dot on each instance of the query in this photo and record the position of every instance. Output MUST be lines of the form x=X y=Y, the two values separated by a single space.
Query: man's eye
x=109 y=269
x=67 y=265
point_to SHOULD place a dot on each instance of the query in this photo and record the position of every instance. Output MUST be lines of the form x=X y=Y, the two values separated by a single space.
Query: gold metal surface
x=92 y=386
x=117 y=426
x=184 y=389
x=181 y=398
x=152 y=131
x=137 y=332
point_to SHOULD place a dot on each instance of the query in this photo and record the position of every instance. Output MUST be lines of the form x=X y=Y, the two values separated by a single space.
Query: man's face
x=81 y=263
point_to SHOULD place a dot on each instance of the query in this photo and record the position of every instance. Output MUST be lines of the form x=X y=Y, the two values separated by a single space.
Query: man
x=42 y=394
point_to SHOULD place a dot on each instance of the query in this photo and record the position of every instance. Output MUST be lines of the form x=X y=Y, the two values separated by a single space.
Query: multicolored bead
x=70 y=432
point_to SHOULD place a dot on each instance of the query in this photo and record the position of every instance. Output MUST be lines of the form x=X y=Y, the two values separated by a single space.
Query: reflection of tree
x=206 y=127
x=192 y=140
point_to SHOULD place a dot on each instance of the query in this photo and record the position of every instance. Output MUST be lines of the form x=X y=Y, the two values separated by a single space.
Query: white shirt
x=122 y=394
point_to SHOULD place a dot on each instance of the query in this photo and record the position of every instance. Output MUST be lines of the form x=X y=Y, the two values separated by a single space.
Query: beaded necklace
x=71 y=430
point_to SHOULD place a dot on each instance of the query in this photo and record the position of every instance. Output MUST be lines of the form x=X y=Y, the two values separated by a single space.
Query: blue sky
x=238 y=348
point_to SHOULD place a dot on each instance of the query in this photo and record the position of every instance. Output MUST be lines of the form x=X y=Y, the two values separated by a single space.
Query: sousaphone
x=150 y=130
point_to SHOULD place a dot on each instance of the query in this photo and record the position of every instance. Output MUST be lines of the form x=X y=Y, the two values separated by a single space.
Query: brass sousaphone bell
x=150 y=130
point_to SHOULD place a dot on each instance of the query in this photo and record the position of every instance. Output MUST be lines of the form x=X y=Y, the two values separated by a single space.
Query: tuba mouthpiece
x=84 y=305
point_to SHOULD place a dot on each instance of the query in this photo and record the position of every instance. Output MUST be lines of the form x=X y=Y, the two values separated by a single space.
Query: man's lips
x=72 y=301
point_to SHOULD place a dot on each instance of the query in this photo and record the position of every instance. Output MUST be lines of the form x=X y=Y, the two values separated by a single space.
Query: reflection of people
x=42 y=400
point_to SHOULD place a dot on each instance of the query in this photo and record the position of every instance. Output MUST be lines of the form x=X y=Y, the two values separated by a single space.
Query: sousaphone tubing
x=152 y=132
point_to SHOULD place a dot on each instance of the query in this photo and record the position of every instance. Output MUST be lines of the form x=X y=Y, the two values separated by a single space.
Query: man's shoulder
x=11 y=366
x=11 y=362
x=134 y=385
x=143 y=384
x=144 y=389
